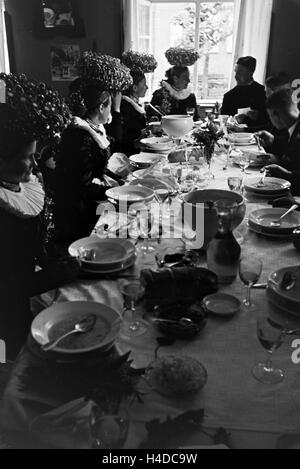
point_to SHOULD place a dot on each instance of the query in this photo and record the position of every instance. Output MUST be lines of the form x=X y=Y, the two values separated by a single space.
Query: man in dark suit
x=284 y=114
x=247 y=94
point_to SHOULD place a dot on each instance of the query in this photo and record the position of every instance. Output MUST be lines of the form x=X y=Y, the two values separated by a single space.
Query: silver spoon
x=181 y=322
x=258 y=142
x=85 y=325
x=289 y=279
x=278 y=222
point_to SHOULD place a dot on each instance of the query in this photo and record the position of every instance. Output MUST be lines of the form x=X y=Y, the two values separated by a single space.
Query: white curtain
x=4 y=62
x=130 y=12
x=252 y=33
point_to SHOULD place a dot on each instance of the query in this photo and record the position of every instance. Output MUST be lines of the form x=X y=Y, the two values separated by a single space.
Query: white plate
x=130 y=194
x=144 y=159
x=271 y=186
x=110 y=253
x=221 y=304
x=288 y=301
x=261 y=220
x=106 y=316
x=150 y=182
x=99 y=271
x=261 y=232
x=157 y=143
x=240 y=136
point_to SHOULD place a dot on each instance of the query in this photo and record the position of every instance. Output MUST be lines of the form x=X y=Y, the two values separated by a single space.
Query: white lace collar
x=99 y=137
x=180 y=95
x=138 y=107
x=28 y=203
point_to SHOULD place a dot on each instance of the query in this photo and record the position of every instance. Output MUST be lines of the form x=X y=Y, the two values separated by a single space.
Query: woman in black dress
x=32 y=111
x=133 y=113
x=175 y=95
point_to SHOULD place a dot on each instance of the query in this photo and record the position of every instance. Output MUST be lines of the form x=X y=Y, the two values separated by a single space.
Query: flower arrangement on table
x=146 y=63
x=37 y=110
x=208 y=138
x=178 y=56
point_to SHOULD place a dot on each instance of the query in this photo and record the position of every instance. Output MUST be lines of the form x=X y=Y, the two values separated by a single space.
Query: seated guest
x=278 y=82
x=32 y=112
x=133 y=113
x=247 y=94
x=175 y=95
x=82 y=173
x=284 y=114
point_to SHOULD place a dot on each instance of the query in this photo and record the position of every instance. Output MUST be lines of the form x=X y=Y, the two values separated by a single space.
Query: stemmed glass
x=235 y=183
x=228 y=149
x=145 y=220
x=271 y=339
x=190 y=111
x=250 y=271
x=133 y=292
x=108 y=431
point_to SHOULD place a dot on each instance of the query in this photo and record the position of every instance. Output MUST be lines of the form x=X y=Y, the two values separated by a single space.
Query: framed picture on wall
x=58 y=18
x=63 y=61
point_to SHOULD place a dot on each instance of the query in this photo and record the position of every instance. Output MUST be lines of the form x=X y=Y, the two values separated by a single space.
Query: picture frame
x=57 y=18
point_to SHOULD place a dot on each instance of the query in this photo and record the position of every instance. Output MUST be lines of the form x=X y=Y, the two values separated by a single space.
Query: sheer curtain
x=252 y=33
x=4 y=62
x=130 y=21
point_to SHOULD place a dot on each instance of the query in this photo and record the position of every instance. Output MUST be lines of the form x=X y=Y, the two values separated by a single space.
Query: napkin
x=119 y=164
x=66 y=427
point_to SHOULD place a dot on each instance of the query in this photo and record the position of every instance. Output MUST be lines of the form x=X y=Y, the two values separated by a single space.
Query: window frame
x=197 y=27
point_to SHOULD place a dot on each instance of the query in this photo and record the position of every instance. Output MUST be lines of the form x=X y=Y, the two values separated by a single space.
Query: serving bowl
x=177 y=125
x=193 y=210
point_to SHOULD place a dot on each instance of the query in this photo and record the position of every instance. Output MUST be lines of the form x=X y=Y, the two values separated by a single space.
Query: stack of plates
x=157 y=144
x=287 y=301
x=272 y=188
x=260 y=221
x=144 y=159
x=61 y=318
x=258 y=158
x=130 y=194
x=151 y=182
x=108 y=255
x=242 y=138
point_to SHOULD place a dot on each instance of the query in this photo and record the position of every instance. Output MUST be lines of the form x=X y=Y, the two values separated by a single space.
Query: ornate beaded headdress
x=31 y=110
x=138 y=61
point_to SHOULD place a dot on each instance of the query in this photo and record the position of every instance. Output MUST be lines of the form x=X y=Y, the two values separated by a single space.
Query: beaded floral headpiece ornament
x=138 y=61
x=31 y=110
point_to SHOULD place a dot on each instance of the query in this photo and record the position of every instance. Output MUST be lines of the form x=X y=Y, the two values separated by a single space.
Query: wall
x=102 y=20
x=284 y=54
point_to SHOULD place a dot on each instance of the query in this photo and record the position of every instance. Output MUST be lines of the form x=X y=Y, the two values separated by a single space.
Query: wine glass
x=133 y=292
x=271 y=339
x=108 y=431
x=228 y=149
x=145 y=221
x=190 y=111
x=250 y=271
x=235 y=183
x=244 y=163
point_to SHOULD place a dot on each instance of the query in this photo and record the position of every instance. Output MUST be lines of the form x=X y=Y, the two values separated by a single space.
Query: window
x=4 y=60
x=204 y=25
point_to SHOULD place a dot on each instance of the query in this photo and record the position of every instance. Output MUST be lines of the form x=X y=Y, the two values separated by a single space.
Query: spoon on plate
x=290 y=210
x=289 y=279
x=184 y=322
x=85 y=325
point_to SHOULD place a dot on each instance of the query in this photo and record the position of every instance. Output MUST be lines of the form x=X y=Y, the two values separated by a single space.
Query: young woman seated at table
x=133 y=113
x=81 y=175
x=175 y=95
x=21 y=207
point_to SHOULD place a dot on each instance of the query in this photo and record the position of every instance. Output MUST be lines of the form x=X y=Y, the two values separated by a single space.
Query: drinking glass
x=145 y=220
x=250 y=272
x=228 y=149
x=190 y=111
x=235 y=183
x=244 y=163
x=133 y=292
x=108 y=431
x=271 y=339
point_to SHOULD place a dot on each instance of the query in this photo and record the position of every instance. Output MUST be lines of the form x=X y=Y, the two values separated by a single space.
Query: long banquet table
x=255 y=414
